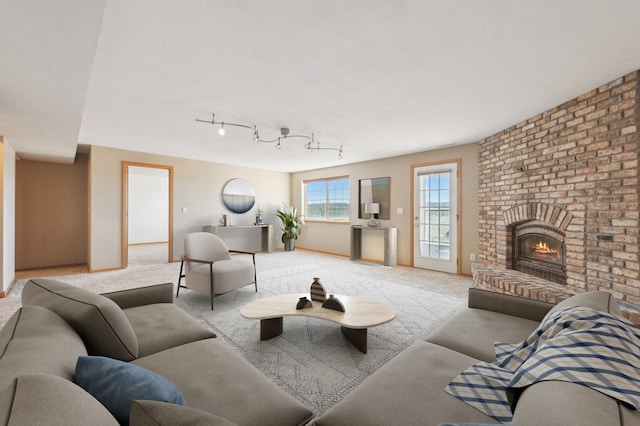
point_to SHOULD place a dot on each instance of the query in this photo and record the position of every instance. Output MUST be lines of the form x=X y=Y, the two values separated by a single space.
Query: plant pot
x=290 y=245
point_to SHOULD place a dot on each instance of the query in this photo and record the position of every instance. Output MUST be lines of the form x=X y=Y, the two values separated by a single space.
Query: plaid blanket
x=576 y=344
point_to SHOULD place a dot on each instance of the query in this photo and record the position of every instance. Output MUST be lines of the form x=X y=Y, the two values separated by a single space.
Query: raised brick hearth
x=575 y=167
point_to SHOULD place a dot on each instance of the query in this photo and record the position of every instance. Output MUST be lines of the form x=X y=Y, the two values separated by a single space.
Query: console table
x=266 y=233
x=390 y=243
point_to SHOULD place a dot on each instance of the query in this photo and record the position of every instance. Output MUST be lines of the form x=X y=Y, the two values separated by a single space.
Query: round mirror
x=238 y=196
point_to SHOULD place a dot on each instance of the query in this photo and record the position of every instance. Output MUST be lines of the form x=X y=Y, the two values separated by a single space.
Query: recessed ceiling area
x=378 y=78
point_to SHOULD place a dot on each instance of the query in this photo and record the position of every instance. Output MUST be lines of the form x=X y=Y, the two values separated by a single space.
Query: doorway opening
x=147 y=214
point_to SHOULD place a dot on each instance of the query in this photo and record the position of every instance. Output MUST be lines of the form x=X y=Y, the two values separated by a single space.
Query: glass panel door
x=435 y=217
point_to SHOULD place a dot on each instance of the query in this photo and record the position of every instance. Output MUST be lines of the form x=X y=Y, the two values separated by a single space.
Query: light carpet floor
x=311 y=360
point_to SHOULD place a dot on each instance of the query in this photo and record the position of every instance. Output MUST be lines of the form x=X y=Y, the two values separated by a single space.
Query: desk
x=266 y=233
x=390 y=243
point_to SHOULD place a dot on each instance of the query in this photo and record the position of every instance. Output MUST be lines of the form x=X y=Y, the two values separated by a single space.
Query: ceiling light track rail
x=312 y=145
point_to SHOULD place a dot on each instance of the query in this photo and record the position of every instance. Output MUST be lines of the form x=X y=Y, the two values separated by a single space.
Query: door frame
x=125 y=208
x=413 y=168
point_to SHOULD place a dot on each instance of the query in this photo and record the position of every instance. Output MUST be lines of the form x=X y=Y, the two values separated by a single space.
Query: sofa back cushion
x=100 y=322
x=37 y=340
x=598 y=300
x=42 y=399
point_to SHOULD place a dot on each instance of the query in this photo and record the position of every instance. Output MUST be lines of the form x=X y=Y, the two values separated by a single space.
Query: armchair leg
x=255 y=272
x=180 y=277
x=211 y=279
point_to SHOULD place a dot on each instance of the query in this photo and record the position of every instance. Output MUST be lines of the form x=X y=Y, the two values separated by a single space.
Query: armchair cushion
x=100 y=322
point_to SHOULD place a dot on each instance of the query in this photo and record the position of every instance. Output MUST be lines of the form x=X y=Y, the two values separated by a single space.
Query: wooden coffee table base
x=359 y=315
x=357 y=336
x=272 y=327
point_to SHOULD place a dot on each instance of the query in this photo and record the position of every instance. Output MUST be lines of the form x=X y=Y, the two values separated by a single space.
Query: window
x=327 y=199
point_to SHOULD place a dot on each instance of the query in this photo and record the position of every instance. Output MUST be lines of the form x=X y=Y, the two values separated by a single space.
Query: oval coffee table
x=359 y=315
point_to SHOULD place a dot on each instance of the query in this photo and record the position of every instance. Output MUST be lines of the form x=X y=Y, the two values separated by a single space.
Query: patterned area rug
x=311 y=360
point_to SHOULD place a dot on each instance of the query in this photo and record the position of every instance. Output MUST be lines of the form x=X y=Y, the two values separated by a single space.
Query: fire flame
x=543 y=248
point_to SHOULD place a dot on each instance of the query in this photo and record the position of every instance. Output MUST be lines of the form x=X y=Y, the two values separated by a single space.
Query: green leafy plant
x=291 y=222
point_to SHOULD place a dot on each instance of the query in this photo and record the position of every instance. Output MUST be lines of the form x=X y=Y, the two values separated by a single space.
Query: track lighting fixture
x=312 y=145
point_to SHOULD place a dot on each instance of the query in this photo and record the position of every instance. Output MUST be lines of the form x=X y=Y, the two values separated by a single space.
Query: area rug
x=311 y=360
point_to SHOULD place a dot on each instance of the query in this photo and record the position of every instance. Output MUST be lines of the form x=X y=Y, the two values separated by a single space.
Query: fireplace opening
x=539 y=250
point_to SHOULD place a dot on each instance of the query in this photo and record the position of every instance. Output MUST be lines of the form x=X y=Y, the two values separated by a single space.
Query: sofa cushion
x=42 y=399
x=157 y=413
x=116 y=384
x=599 y=300
x=215 y=379
x=473 y=332
x=408 y=390
x=564 y=403
x=101 y=323
x=36 y=340
x=162 y=326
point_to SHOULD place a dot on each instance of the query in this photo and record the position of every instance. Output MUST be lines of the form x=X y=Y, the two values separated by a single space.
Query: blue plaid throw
x=576 y=344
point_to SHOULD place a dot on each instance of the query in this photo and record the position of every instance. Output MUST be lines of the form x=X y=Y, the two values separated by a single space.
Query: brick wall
x=580 y=157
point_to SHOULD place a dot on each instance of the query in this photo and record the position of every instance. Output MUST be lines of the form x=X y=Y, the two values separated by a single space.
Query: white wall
x=148 y=205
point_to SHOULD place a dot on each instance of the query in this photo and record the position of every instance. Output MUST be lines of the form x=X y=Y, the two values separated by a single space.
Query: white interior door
x=436 y=217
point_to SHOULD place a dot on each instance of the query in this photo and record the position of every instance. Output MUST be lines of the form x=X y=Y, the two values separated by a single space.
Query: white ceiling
x=381 y=78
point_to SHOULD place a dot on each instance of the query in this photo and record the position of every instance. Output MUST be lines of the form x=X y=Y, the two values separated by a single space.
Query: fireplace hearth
x=539 y=250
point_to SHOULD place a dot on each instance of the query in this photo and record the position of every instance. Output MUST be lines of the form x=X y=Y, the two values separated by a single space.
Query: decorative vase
x=333 y=303
x=290 y=245
x=258 y=219
x=304 y=303
x=317 y=291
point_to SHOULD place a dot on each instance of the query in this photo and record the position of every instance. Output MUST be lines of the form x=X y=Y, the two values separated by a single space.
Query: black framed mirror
x=371 y=192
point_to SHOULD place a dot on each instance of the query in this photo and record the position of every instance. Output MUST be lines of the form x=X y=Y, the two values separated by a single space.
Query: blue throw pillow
x=116 y=383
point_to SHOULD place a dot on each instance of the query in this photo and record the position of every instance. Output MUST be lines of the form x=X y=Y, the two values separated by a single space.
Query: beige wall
x=335 y=238
x=51 y=213
x=197 y=186
x=7 y=230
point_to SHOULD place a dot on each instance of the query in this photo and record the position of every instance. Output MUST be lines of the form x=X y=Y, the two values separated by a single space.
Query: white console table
x=390 y=243
x=266 y=233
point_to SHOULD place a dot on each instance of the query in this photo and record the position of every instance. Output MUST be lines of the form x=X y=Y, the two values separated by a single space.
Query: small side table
x=390 y=243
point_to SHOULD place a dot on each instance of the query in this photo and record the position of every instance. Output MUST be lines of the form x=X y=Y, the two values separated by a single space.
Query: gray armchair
x=207 y=266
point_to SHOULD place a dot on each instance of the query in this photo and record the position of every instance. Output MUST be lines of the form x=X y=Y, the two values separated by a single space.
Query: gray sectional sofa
x=58 y=324
x=409 y=389
x=42 y=344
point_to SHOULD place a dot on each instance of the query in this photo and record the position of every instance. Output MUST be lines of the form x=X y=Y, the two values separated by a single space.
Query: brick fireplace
x=537 y=237
x=566 y=178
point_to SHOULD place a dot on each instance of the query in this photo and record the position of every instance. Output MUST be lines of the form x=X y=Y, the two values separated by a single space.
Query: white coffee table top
x=359 y=313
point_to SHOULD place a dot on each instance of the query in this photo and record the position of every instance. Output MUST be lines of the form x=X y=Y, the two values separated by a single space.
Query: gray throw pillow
x=116 y=384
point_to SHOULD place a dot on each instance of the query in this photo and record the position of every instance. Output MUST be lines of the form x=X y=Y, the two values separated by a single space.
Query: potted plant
x=291 y=226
